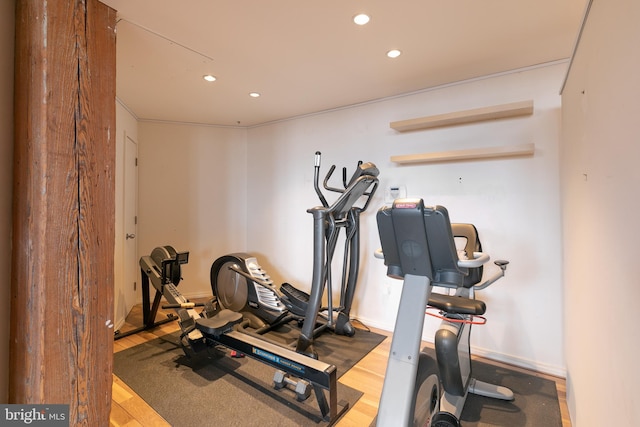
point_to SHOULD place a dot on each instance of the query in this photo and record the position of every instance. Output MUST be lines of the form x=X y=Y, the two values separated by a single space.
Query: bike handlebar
x=479 y=258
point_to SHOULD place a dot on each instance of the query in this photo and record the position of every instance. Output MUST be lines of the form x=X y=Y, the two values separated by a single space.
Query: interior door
x=130 y=259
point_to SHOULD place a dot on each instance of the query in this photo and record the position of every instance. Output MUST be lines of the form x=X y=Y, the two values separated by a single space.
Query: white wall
x=514 y=202
x=192 y=195
x=126 y=124
x=600 y=152
x=7 y=21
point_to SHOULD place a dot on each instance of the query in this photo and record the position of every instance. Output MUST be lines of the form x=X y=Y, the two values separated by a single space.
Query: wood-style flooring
x=128 y=409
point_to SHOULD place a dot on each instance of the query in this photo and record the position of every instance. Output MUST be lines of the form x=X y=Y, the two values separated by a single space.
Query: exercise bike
x=418 y=247
x=241 y=284
x=207 y=326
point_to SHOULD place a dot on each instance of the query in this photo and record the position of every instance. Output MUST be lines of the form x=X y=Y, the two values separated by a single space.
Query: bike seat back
x=418 y=240
x=471 y=243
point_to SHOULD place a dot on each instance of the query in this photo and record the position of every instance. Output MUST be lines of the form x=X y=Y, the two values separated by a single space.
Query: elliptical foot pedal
x=296 y=300
x=344 y=326
x=219 y=324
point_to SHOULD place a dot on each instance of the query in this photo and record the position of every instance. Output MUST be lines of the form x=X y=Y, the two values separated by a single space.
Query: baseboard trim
x=521 y=362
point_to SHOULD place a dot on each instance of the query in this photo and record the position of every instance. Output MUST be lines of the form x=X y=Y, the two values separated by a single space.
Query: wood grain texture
x=469 y=154
x=493 y=112
x=64 y=200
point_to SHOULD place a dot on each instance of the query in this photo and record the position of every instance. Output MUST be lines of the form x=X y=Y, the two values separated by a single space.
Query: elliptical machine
x=418 y=246
x=240 y=284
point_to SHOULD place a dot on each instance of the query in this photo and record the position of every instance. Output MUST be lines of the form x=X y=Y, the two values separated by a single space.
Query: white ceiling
x=305 y=56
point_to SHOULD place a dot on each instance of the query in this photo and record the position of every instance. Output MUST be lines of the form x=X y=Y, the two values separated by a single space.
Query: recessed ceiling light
x=209 y=78
x=394 y=53
x=361 y=19
x=254 y=94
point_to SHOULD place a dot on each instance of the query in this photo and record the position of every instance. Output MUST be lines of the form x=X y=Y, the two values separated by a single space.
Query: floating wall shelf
x=515 y=109
x=472 y=154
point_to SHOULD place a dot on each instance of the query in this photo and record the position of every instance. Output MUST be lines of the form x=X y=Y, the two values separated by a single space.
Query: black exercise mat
x=215 y=389
x=535 y=404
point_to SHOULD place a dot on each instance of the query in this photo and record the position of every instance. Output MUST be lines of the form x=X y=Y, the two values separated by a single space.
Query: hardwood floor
x=128 y=409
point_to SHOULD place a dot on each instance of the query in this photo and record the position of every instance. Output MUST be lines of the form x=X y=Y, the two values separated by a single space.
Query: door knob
x=130 y=236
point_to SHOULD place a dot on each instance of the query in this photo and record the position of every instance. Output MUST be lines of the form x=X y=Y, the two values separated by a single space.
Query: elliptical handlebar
x=325 y=183
x=369 y=170
x=316 y=176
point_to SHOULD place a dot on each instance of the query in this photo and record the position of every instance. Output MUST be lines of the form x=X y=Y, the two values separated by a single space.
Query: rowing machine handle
x=184 y=305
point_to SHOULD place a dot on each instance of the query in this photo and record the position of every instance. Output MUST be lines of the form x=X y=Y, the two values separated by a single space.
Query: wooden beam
x=471 y=154
x=64 y=202
x=494 y=112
